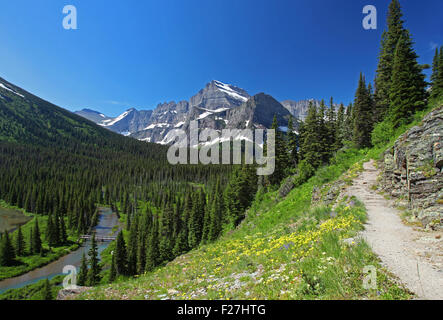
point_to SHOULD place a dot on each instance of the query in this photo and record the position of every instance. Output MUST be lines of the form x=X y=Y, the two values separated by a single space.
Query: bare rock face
x=217 y=106
x=413 y=169
x=299 y=109
x=166 y=117
x=216 y=95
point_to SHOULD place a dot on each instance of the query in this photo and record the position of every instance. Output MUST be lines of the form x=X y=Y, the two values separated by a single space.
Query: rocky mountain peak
x=217 y=105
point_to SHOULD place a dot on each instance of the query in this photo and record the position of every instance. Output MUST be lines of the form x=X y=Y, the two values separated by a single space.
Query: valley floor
x=414 y=256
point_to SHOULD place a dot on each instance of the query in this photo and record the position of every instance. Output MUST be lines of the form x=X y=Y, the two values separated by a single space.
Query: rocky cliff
x=412 y=170
x=217 y=106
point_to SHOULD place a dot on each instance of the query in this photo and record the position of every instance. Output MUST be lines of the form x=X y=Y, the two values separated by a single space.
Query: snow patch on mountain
x=227 y=88
x=111 y=122
x=6 y=88
x=178 y=125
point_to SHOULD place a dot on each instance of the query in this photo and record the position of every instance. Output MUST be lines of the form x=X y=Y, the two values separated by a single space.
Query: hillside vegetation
x=285 y=248
x=282 y=250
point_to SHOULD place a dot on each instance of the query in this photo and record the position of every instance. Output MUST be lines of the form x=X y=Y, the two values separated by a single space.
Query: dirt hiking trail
x=414 y=256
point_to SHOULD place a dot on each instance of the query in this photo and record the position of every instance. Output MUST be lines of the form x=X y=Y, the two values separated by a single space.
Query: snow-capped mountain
x=128 y=122
x=217 y=106
x=92 y=115
x=215 y=98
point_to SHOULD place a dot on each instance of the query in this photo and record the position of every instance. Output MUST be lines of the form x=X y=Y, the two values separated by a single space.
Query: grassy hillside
x=284 y=249
x=59 y=166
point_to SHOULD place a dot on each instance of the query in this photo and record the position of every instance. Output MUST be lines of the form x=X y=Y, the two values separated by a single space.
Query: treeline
x=21 y=246
x=437 y=75
x=399 y=91
x=183 y=223
x=68 y=188
x=58 y=165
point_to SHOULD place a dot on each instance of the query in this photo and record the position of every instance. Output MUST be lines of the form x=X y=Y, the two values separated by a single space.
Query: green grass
x=282 y=250
x=28 y=263
x=33 y=291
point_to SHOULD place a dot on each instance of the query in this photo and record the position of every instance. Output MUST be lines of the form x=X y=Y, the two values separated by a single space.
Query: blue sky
x=137 y=53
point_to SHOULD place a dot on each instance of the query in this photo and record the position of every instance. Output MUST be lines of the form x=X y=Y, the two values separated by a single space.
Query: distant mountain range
x=217 y=106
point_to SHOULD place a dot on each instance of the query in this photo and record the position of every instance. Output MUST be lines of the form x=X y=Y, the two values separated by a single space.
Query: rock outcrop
x=217 y=106
x=412 y=170
x=70 y=294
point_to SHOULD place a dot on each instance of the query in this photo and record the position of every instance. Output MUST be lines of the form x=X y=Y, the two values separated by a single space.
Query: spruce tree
x=7 y=252
x=94 y=264
x=166 y=231
x=83 y=272
x=195 y=225
x=181 y=242
x=324 y=136
x=20 y=243
x=51 y=231
x=407 y=92
x=331 y=126
x=281 y=155
x=121 y=255
x=113 y=271
x=207 y=219
x=389 y=42
x=141 y=256
x=437 y=75
x=36 y=238
x=47 y=290
x=63 y=234
x=216 y=214
x=132 y=248
x=363 y=115
x=349 y=123
x=435 y=69
x=152 y=254
x=339 y=128
x=310 y=138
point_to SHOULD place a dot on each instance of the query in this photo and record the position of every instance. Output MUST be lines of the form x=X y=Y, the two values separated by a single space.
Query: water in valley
x=11 y=219
x=107 y=221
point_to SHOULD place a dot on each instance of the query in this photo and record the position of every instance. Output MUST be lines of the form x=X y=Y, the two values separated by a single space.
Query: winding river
x=107 y=221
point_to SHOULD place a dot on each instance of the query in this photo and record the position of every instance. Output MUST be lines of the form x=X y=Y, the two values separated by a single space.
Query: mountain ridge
x=211 y=106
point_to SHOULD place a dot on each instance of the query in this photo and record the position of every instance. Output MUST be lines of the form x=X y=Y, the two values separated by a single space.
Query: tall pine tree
x=121 y=255
x=20 y=243
x=310 y=138
x=152 y=254
x=407 y=91
x=36 y=238
x=83 y=273
x=7 y=252
x=281 y=156
x=437 y=75
x=94 y=264
x=363 y=115
x=389 y=42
